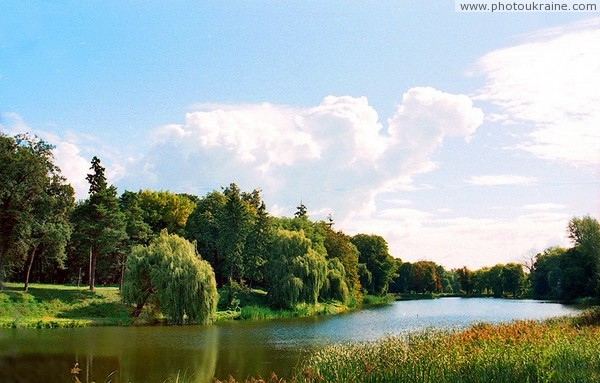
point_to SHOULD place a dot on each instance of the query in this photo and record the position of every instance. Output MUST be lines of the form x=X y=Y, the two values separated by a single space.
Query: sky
x=467 y=139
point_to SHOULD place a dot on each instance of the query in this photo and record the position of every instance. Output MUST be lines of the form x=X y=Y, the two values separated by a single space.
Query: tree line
x=47 y=236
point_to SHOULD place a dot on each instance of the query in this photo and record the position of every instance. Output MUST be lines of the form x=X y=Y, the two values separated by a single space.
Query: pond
x=242 y=349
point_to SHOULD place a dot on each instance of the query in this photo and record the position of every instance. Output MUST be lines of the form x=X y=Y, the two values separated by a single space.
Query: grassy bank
x=47 y=306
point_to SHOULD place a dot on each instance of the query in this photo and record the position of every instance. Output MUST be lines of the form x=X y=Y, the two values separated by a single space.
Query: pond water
x=242 y=349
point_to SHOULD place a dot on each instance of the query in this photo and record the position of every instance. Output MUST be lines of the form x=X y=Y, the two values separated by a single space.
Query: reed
x=564 y=350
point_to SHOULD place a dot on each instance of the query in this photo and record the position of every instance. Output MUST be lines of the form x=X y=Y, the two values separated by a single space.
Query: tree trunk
x=93 y=258
x=26 y=288
x=1 y=270
x=122 y=273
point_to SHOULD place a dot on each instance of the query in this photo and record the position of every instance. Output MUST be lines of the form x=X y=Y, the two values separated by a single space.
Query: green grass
x=375 y=300
x=47 y=306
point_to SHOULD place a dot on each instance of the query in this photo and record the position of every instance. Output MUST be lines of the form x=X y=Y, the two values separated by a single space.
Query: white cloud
x=72 y=152
x=552 y=83
x=336 y=156
x=500 y=180
x=424 y=119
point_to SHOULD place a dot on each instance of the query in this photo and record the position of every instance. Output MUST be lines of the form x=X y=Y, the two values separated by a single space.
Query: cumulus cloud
x=551 y=82
x=335 y=156
x=424 y=119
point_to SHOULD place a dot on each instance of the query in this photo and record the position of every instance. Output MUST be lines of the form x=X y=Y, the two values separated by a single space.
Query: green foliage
x=232 y=230
x=34 y=203
x=373 y=252
x=339 y=246
x=165 y=210
x=295 y=272
x=513 y=279
x=235 y=223
x=335 y=287
x=99 y=237
x=466 y=280
x=573 y=273
x=203 y=227
x=138 y=231
x=171 y=269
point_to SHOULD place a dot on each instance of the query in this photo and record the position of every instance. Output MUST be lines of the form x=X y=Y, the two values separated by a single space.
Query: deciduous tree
x=373 y=251
x=32 y=194
x=171 y=269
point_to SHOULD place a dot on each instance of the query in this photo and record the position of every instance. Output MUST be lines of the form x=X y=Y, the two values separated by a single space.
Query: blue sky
x=462 y=138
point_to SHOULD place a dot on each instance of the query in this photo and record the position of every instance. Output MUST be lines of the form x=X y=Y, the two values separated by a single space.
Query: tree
x=513 y=279
x=546 y=274
x=373 y=251
x=335 y=286
x=51 y=229
x=301 y=211
x=138 y=231
x=171 y=269
x=203 y=227
x=28 y=177
x=295 y=271
x=425 y=278
x=257 y=245
x=465 y=280
x=585 y=234
x=339 y=246
x=235 y=223
x=496 y=281
x=99 y=225
x=165 y=210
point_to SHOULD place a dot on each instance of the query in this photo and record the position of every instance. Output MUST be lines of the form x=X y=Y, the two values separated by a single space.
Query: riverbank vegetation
x=557 y=350
x=235 y=244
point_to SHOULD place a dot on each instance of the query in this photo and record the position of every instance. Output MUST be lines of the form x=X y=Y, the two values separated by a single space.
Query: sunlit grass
x=48 y=306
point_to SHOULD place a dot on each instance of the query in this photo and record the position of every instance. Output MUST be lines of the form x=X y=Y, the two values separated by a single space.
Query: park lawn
x=47 y=306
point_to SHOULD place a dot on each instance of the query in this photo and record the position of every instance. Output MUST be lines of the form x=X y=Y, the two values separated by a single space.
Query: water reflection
x=242 y=349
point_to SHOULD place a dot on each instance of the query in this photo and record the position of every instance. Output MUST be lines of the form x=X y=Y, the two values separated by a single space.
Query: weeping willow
x=335 y=286
x=170 y=269
x=295 y=272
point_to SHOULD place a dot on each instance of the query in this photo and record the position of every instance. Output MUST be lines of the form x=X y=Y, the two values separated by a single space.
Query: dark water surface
x=242 y=349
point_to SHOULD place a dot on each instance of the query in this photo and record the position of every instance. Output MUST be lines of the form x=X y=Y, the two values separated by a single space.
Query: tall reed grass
x=566 y=350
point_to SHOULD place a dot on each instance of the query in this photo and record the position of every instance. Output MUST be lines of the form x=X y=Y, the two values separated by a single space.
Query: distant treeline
x=45 y=236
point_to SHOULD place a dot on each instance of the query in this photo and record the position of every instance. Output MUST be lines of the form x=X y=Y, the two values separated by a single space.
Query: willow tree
x=295 y=271
x=171 y=270
x=335 y=286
